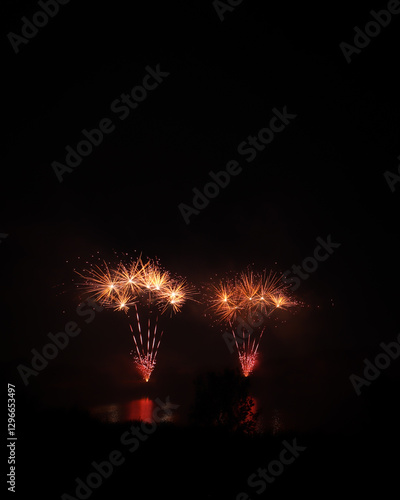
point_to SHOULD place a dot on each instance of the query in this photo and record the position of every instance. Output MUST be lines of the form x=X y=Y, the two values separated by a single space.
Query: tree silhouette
x=222 y=400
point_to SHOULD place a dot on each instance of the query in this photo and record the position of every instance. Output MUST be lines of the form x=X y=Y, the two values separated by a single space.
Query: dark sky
x=323 y=175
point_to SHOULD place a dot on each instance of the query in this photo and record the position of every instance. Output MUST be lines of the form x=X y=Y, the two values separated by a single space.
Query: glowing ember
x=145 y=366
x=247 y=362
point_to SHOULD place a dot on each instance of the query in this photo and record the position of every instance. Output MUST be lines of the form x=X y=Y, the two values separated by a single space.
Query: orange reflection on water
x=254 y=408
x=140 y=409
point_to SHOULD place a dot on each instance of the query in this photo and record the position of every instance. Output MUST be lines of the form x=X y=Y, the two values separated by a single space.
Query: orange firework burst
x=100 y=284
x=247 y=290
x=174 y=295
x=144 y=286
x=130 y=277
x=153 y=278
x=281 y=301
x=123 y=299
x=247 y=297
x=269 y=285
x=224 y=301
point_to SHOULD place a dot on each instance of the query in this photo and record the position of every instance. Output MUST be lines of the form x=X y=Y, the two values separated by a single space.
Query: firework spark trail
x=247 y=352
x=245 y=296
x=143 y=285
x=146 y=352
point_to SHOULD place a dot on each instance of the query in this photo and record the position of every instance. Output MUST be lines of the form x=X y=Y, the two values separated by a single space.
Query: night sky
x=322 y=176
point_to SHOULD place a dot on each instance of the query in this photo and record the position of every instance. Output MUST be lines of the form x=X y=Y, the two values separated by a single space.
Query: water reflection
x=145 y=409
x=276 y=420
x=269 y=419
x=137 y=409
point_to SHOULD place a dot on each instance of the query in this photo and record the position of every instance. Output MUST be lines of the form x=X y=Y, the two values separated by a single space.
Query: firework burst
x=224 y=302
x=281 y=301
x=100 y=284
x=173 y=295
x=147 y=289
x=251 y=297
